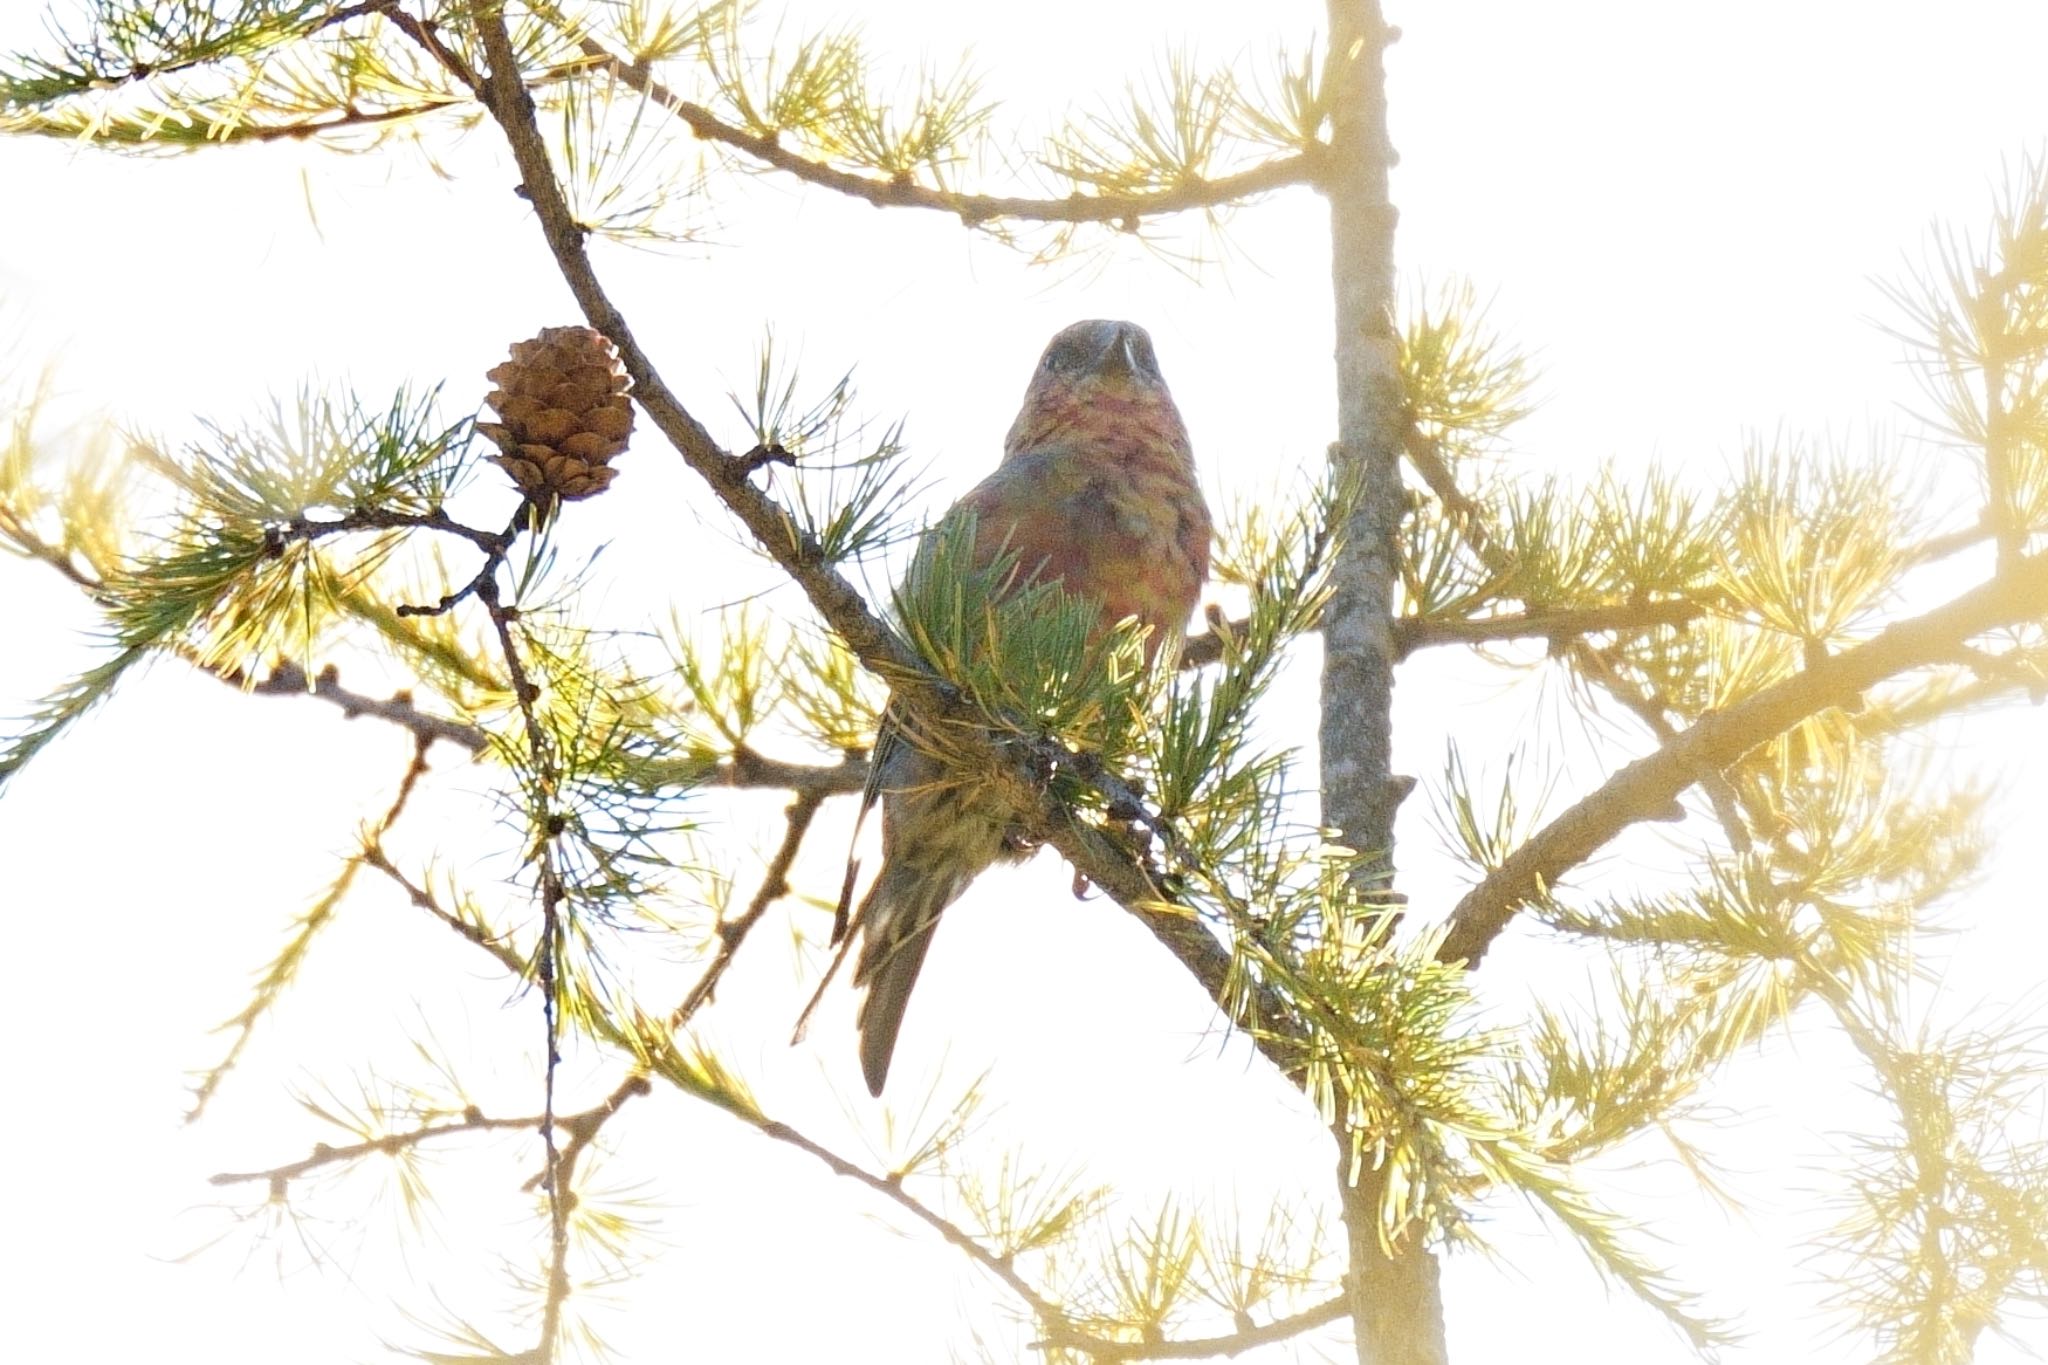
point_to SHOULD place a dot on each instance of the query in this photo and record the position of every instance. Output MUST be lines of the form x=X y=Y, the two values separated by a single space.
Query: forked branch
x=1649 y=785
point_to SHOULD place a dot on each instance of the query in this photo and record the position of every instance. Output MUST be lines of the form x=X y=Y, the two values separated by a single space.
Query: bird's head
x=1094 y=378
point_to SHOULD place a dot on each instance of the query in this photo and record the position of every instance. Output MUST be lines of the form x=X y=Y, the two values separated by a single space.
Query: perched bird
x=1097 y=491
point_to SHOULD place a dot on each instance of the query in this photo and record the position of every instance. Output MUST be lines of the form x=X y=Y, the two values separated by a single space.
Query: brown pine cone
x=562 y=398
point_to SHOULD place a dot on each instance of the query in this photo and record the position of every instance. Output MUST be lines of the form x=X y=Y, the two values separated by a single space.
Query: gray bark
x=1396 y=1307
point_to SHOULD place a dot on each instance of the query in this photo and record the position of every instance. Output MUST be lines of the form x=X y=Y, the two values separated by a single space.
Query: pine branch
x=1059 y=1328
x=582 y=1129
x=1649 y=785
x=1427 y=460
x=263 y=24
x=900 y=191
x=1949 y=543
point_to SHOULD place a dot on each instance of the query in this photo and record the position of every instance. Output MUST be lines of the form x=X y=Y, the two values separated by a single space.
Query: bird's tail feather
x=899 y=912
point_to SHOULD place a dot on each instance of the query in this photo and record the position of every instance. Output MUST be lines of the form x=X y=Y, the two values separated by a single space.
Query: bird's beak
x=1119 y=360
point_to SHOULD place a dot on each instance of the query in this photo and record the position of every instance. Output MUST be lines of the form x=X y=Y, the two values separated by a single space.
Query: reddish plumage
x=1096 y=489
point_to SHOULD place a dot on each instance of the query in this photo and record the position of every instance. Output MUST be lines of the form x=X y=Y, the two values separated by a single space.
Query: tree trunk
x=1396 y=1309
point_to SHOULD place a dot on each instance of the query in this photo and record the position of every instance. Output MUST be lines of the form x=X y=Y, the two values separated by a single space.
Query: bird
x=1096 y=490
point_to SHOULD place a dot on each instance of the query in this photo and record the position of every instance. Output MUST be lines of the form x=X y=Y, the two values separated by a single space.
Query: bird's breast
x=1131 y=534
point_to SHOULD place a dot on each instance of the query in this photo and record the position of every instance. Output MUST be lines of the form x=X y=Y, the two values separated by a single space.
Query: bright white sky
x=1680 y=210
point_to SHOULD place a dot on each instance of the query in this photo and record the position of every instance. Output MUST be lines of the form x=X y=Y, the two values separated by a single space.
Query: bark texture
x=1396 y=1307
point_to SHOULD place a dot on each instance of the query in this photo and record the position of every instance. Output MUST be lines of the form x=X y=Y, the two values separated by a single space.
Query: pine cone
x=562 y=396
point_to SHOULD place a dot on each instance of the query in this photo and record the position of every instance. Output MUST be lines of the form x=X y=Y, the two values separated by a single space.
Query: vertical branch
x=2000 y=511
x=547 y=957
x=1358 y=638
x=1395 y=1305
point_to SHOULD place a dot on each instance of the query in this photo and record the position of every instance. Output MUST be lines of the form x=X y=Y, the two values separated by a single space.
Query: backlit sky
x=1680 y=210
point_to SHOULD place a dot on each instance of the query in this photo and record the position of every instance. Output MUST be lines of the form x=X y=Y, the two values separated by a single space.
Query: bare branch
x=742 y=770
x=1428 y=461
x=353 y=118
x=323 y=1155
x=582 y=1129
x=287 y=679
x=746 y=769
x=1648 y=785
x=1556 y=625
x=1204 y=1348
x=1656 y=717
x=774 y=886
x=1949 y=543
x=508 y=957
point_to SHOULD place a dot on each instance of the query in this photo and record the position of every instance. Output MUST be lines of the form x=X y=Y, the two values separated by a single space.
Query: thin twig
x=287 y=679
x=279 y=1178
x=279 y=973
x=2000 y=434
x=582 y=1127
x=774 y=886
x=742 y=770
x=427 y=34
x=495 y=548
x=376 y=858
x=547 y=959
x=1556 y=624
x=385 y=519
x=1203 y=1348
x=1655 y=716
x=342 y=122
x=32 y=546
